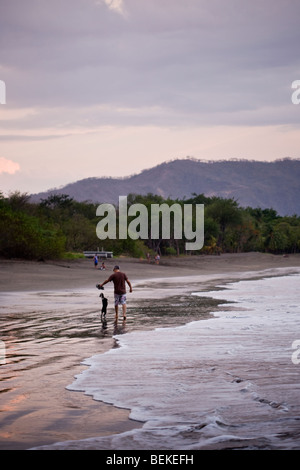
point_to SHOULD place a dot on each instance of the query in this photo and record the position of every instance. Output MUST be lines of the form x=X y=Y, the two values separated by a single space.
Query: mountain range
x=251 y=183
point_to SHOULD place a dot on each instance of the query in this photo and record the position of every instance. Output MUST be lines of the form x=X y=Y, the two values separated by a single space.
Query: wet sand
x=49 y=321
x=18 y=276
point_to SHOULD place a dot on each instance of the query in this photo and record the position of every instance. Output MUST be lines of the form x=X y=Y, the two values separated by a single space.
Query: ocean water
x=228 y=382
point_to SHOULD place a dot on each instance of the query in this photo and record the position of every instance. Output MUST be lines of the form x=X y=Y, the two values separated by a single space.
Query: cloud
x=8 y=166
x=192 y=61
x=81 y=73
x=115 y=5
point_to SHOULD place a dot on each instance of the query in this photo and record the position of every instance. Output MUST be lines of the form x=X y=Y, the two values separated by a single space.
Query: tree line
x=60 y=226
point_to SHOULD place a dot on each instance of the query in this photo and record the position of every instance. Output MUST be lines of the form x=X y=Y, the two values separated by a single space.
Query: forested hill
x=251 y=183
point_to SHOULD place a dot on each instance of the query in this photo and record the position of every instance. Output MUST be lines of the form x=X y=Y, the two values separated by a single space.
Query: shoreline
x=22 y=275
x=101 y=418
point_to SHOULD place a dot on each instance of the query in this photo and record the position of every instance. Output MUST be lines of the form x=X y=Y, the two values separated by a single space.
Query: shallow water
x=225 y=382
x=46 y=336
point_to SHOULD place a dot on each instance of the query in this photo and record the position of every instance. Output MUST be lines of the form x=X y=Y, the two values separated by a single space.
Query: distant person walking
x=95 y=261
x=119 y=279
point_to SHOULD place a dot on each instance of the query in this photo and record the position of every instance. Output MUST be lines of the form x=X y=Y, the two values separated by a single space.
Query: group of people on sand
x=96 y=261
x=156 y=258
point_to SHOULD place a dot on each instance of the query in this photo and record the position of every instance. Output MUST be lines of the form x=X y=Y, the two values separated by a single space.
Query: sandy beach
x=50 y=323
x=16 y=276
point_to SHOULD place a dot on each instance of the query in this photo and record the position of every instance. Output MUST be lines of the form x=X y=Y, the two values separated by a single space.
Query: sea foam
x=224 y=382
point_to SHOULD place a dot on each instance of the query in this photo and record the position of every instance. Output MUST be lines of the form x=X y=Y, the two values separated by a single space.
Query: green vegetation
x=60 y=227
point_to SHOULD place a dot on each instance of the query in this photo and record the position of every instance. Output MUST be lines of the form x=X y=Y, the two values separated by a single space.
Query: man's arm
x=130 y=287
x=105 y=282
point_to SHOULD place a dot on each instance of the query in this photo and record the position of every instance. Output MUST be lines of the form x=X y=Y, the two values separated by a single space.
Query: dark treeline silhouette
x=59 y=226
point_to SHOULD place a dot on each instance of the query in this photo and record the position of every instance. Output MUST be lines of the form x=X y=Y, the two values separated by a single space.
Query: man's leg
x=121 y=301
x=124 y=311
x=116 y=306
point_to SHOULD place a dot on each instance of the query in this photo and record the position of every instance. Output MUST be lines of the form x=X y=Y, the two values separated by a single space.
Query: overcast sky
x=110 y=87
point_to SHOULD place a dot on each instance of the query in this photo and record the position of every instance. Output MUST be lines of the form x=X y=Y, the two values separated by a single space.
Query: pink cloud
x=8 y=166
